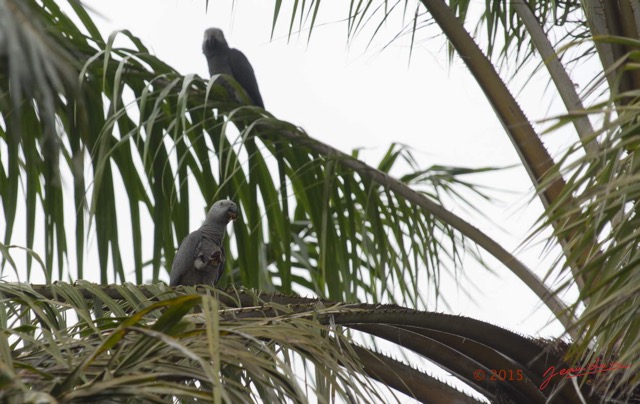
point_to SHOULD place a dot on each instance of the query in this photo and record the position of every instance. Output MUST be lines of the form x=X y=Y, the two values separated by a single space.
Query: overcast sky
x=352 y=96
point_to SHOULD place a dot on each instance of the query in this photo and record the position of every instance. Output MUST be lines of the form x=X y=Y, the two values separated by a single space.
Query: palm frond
x=238 y=345
x=132 y=119
x=604 y=185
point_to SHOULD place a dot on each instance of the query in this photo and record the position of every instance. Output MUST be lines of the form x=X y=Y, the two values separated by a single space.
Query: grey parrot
x=222 y=59
x=200 y=257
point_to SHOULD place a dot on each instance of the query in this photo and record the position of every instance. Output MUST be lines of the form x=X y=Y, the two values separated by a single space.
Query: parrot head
x=223 y=211
x=214 y=40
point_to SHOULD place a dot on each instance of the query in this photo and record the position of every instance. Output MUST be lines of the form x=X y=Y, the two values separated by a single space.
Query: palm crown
x=328 y=222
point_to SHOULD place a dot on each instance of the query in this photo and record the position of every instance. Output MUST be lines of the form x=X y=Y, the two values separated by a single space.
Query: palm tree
x=319 y=220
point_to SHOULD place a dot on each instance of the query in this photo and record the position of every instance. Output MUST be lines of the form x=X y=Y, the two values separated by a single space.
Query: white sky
x=349 y=96
x=352 y=97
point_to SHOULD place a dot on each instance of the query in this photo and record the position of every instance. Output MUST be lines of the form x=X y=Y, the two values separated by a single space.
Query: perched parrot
x=200 y=257
x=222 y=59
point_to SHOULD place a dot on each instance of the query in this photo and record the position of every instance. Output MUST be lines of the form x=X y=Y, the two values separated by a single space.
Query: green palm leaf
x=314 y=219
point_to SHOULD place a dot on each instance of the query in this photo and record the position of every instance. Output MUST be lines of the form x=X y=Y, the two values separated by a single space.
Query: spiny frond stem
x=516 y=266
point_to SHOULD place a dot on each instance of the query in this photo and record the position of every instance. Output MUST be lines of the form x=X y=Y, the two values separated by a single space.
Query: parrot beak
x=233 y=213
